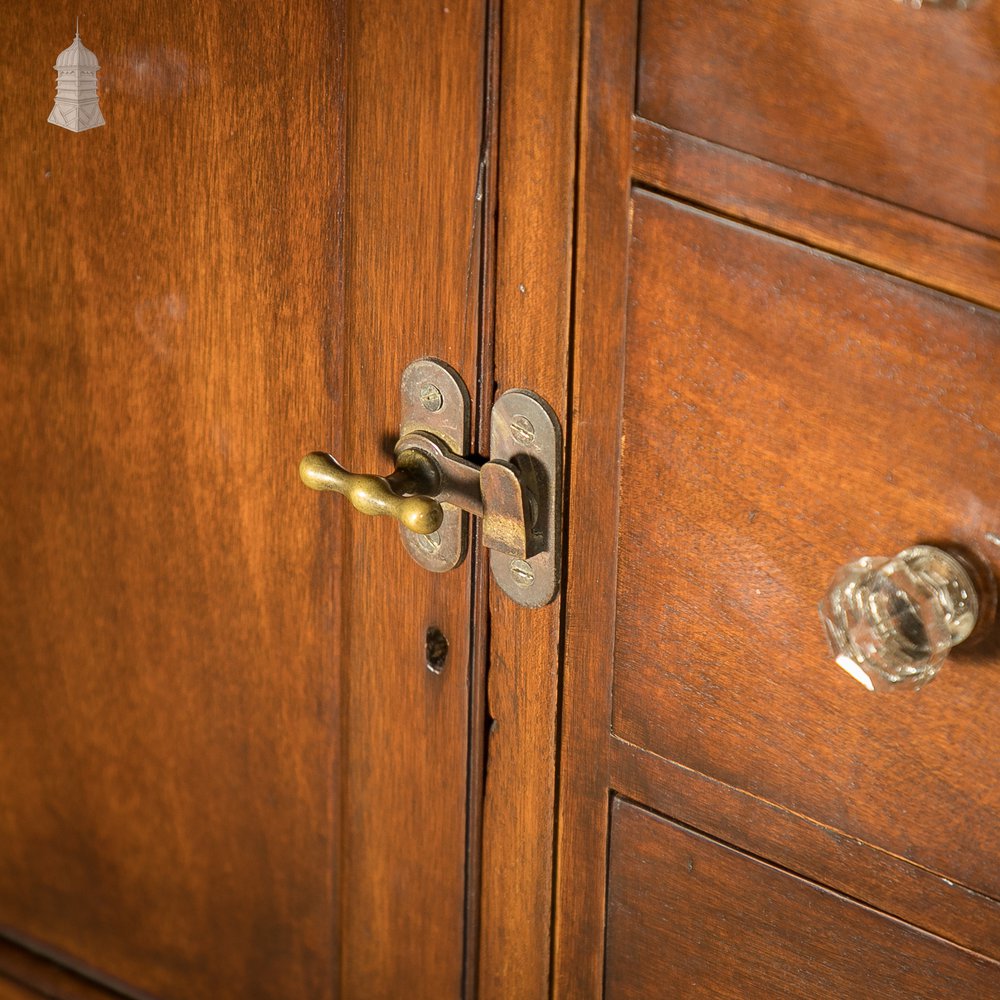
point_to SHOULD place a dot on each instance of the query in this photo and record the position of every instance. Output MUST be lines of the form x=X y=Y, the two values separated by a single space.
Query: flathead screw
x=522 y=429
x=430 y=543
x=431 y=398
x=523 y=574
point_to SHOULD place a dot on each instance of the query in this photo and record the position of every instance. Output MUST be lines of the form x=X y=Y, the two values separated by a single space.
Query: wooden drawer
x=786 y=411
x=899 y=103
x=688 y=916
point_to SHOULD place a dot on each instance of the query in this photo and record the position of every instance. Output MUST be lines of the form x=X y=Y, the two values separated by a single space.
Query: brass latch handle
x=492 y=491
x=374 y=495
x=439 y=484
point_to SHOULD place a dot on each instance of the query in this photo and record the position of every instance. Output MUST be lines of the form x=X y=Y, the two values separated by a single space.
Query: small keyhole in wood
x=435 y=650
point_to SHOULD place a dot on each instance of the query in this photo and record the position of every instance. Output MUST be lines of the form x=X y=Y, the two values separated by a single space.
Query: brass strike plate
x=525 y=432
x=435 y=400
x=517 y=491
x=437 y=484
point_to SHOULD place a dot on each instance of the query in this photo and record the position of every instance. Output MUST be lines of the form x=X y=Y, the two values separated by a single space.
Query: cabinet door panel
x=214 y=701
x=12 y=991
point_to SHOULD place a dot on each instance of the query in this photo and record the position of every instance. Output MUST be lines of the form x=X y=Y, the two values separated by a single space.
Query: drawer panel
x=784 y=413
x=688 y=916
x=898 y=103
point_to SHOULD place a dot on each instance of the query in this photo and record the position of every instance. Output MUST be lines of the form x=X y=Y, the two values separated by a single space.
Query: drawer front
x=784 y=413
x=898 y=103
x=690 y=917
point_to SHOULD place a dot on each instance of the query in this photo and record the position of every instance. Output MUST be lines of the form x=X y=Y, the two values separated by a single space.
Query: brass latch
x=517 y=493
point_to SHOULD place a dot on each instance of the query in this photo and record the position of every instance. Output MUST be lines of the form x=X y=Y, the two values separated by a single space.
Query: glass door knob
x=891 y=622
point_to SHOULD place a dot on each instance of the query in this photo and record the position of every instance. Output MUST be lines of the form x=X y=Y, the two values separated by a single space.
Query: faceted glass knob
x=891 y=622
x=950 y=4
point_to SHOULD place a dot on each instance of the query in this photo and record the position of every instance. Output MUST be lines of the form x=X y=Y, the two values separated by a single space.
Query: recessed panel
x=900 y=103
x=690 y=917
x=786 y=412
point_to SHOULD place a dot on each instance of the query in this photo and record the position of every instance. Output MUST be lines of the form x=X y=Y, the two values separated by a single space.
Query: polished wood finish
x=592 y=508
x=688 y=916
x=898 y=103
x=481 y=578
x=26 y=974
x=536 y=177
x=415 y=135
x=168 y=715
x=10 y=990
x=894 y=239
x=228 y=771
x=811 y=849
x=742 y=352
x=751 y=472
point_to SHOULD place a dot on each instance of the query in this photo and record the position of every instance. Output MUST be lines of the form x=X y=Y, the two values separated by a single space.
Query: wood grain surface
x=9 y=990
x=168 y=714
x=483 y=391
x=686 y=579
x=808 y=848
x=786 y=412
x=415 y=139
x=536 y=176
x=893 y=239
x=279 y=215
x=688 y=916
x=25 y=970
x=606 y=94
x=898 y=103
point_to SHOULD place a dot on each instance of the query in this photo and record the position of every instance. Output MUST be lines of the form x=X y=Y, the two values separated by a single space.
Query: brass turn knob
x=374 y=495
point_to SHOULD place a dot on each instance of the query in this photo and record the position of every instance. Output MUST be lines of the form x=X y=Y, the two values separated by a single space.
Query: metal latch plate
x=525 y=432
x=435 y=401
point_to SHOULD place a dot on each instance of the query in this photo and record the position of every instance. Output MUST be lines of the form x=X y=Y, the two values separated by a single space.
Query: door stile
x=609 y=47
x=535 y=177
x=482 y=392
x=415 y=124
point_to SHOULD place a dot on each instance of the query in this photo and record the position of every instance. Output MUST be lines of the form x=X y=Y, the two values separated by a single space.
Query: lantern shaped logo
x=76 y=106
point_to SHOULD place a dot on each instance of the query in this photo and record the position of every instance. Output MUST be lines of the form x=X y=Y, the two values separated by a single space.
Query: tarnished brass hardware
x=517 y=493
x=457 y=478
x=508 y=518
x=434 y=401
x=525 y=433
x=492 y=491
x=374 y=495
x=437 y=485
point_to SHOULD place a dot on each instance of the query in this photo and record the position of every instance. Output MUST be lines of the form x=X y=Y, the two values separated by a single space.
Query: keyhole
x=435 y=650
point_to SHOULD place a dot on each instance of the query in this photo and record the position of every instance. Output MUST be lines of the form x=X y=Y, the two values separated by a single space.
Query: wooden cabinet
x=750 y=255
x=770 y=383
x=899 y=104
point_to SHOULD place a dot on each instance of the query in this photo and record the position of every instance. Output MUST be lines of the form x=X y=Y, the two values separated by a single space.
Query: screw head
x=522 y=429
x=522 y=573
x=431 y=398
x=430 y=543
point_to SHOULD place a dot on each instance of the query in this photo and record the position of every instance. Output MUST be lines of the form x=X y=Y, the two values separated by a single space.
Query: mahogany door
x=225 y=767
